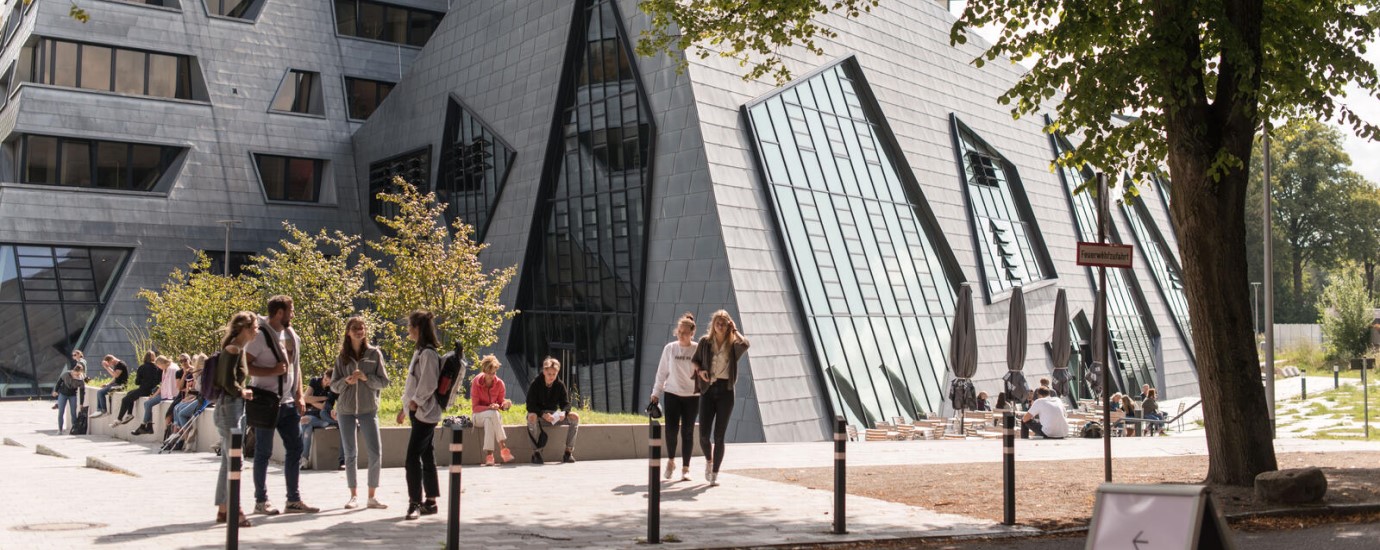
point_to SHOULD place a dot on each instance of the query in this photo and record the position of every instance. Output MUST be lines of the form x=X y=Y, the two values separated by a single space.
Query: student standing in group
x=488 y=396
x=232 y=382
x=146 y=380
x=419 y=404
x=68 y=385
x=675 y=377
x=358 y=377
x=716 y=373
x=275 y=365
x=119 y=375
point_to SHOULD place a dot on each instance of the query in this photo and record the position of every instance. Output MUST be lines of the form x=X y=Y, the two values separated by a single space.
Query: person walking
x=716 y=373
x=275 y=368
x=419 y=404
x=66 y=390
x=359 y=375
x=119 y=376
x=232 y=382
x=675 y=379
x=488 y=396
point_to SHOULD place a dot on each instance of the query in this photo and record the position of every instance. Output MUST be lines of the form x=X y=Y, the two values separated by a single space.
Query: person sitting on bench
x=1045 y=417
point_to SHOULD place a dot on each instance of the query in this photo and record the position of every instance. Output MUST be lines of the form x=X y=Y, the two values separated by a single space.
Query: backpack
x=452 y=368
x=1091 y=430
x=80 y=423
x=208 y=388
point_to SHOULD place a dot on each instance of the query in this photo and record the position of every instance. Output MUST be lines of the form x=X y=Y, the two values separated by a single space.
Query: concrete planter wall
x=596 y=441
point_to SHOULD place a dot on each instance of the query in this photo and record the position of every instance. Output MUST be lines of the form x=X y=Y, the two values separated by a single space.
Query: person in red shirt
x=487 y=394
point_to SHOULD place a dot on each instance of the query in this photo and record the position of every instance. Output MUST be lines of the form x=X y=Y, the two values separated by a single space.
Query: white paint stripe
x=234 y=476
x=840 y=456
x=840 y=437
x=454 y=468
x=236 y=453
x=457 y=447
x=654 y=462
x=1008 y=451
x=655 y=442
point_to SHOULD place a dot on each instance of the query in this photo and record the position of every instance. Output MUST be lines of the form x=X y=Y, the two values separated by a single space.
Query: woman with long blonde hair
x=488 y=396
x=716 y=373
x=232 y=381
x=358 y=377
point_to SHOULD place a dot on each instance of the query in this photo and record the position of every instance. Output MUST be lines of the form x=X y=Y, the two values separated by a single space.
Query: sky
x=1365 y=154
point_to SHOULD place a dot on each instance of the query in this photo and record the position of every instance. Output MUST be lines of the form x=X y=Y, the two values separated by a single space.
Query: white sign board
x=1156 y=517
x=1104 y=255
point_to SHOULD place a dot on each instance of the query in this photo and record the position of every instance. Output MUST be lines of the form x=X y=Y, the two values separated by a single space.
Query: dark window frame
x=311 y=103
x=318 y=183
x=484 y=187
x=379 y=90
x=381 y=173
x=407 y=40
x=167 y=165
x=43 y=69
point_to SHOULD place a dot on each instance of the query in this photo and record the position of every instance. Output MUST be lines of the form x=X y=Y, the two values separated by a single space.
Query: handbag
x=262 y=410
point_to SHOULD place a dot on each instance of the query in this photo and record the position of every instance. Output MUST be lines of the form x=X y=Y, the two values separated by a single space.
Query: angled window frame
x=346 y=80
x=374 y=186
x=1015 y=186
x=322 y=173
x=406 y=42
x=250 y=15
x=457 y=107
x=176 y=8
x=315 y=94
x=173 y=157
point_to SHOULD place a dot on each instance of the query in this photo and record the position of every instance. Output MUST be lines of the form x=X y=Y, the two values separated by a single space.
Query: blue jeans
x=100 y=397
x=66 y=403
x=149 y=404
x=228 y=414
x=292 y=453
x=317 y=421
x=182 y=412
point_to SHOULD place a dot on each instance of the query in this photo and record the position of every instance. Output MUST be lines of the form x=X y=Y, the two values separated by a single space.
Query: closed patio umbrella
x=1016 y=387
x=1061 y=344
x=963 y=354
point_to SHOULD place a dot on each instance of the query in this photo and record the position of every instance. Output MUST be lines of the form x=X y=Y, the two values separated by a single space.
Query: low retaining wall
x=596 y=441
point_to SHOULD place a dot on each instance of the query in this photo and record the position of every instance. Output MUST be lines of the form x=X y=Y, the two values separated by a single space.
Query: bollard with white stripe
x=232 y=501
x=654 y=483
x=1008 y=458
x=457 y=448
x=840 y=475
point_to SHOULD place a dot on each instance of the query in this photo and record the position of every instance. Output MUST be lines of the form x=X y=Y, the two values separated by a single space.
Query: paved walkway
x=585 y=505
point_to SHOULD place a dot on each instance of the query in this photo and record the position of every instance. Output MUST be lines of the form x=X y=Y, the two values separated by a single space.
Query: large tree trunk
x=1297 y=265
x=1211 y=217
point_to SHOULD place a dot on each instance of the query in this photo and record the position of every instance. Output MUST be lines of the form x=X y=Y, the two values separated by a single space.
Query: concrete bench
x=596 y=441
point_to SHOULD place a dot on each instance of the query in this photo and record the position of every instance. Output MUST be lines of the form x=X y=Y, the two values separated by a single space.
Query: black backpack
x=452 y=369
x=1091 y=430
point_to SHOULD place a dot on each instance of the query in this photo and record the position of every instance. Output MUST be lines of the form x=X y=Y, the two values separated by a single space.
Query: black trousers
x=716 y=405
x=680 y=424
x=420 y=462
x=127 y=404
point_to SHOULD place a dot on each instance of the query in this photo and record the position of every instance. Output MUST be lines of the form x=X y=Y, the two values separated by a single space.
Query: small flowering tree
x=187 y=313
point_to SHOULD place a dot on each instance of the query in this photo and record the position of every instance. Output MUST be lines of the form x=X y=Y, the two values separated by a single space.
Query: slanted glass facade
x=1009 y=245
x=474 y=167
x=414 y=167
x=1133 y=337
x=581 y=290
x=1162 y=263
x=49 y=298
x=873 y=273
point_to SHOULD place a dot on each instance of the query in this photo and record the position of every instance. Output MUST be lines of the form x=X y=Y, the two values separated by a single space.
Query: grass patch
x=390 y=402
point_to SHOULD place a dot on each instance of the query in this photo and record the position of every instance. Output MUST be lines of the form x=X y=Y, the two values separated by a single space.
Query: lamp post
x=1269 y=271
x=225 y=260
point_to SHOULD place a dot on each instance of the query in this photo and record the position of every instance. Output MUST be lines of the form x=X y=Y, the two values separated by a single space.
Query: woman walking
x=68 y=386
x=716 y=372
x=487 y=394
x=675 y=378
x=358 y=377
x=419 y=404
x=232 y=380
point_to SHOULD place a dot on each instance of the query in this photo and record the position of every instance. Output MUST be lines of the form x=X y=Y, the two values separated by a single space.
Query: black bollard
x=840 y=475
x=1336 y=377
x=654 y=483
x=232 y=498
x=457 y=449
x=1008 y=458
x=1303 y=388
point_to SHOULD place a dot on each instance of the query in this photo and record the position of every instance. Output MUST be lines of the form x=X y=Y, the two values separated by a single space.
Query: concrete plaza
x=584 y=505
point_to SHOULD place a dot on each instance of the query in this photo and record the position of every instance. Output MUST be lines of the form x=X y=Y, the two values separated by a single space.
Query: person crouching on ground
x=1045 y=417
x=488 y=396
x=675 y=377
x=232 y=380
x=548 y=404
x=716 y=374
x=359 y=375
x=419 y=404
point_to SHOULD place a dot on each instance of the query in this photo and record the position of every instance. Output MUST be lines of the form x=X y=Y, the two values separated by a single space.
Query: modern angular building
x=834 y=217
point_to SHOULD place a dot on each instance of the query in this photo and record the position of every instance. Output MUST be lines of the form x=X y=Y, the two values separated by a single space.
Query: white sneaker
x=708 y=471
x=98 y=414
x=685 y=474
x=670 y=468
x=352 y=504
x=713 y=479
x=376 y=505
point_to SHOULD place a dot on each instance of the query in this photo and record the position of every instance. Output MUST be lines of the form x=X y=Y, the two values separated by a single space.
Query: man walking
x=275 y=365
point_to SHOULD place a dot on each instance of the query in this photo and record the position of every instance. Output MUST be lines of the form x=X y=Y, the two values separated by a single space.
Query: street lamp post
x=225 y=260
x=1268 y=266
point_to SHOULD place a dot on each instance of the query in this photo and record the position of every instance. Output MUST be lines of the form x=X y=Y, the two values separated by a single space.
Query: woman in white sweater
x=419 y=403
x=675 y=377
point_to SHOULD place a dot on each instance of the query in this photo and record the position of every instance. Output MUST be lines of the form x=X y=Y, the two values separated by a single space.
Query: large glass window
x=363 y=96
x=300 y=92
x=386 y=22
x=90 y=66
x=290 y=179
x=873 y=272
x=49 y=298
x=73 y=162
x=238 y=9
x=413 y=167
x=580 y=294
x=474 y=167
x=1011 y=250
x=1132 y=334
x=1163 y=264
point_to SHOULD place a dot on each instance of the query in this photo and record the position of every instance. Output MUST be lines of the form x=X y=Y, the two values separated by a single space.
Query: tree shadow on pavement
x=668 y=492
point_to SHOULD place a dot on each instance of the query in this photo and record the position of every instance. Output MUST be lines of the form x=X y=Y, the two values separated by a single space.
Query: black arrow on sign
x=1137 y=542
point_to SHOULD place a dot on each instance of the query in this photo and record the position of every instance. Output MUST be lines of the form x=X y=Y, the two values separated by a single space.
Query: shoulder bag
x=262 y=410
